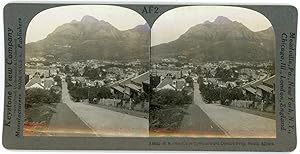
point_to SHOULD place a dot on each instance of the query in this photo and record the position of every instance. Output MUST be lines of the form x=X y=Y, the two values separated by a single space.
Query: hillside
x=91 y=38
x=221 y=39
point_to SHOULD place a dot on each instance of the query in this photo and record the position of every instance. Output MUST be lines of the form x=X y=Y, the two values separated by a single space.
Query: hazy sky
x=46 y=21
x=170 y=25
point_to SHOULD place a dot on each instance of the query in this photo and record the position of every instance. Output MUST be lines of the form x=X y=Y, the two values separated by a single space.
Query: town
x=212 y=76
x=194 y=96
x=120 y=87
x=134 y=89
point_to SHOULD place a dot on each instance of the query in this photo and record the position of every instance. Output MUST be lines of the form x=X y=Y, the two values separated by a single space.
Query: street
x=66 y=123
x=201 y=120
x=197 y=124
x=236 y=124
x=100 y=122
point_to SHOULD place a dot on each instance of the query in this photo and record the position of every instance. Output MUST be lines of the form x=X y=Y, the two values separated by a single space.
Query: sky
x=173 y=23
x=46 y=21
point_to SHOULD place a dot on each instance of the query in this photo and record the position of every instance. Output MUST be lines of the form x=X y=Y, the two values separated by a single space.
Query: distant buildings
x=218 y=83
x=37 y=59
x=175 y=73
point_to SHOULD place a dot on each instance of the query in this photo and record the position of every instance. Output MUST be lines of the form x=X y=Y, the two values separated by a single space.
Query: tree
x=76 y=73
x=104 y=92
x=79 y=93
x=168 y=97
x=210 y=92
x=75 y=93
x=57 y=79
x=236 y=93
x=198 y=71
x=190 y=81
x=36 y=97
x=226 y=74
x=68 y=78
x=178 y=64
x=67 y=69
x=229 y=94
x=92 y=93
x=70 y=85
x=224 y=92
x=200 y=81
x=91 y=73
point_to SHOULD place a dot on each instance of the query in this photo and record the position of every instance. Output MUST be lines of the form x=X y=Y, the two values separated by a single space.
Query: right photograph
x=212 y=74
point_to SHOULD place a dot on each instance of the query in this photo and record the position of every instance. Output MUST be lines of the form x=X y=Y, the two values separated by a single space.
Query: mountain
x=91 y=38
x=221 y=39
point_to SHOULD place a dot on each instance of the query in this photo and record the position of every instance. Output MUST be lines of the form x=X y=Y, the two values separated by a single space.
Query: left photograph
x=87 y=73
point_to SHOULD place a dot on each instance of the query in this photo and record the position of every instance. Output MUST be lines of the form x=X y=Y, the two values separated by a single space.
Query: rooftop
x=118 y=88
x=270 y=81
x=142 y=77
x=165 y=81
x=133 y=86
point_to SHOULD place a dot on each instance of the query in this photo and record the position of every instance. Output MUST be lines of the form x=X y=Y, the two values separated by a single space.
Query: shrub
x=37 y=97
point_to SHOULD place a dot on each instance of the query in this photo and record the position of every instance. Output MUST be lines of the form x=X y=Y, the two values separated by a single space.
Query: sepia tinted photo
x=174 y=76
x=212 y=74
x=87 y=73
x=206 y=71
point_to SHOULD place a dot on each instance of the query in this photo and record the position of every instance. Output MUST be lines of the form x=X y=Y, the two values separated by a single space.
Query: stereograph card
x=150 y=77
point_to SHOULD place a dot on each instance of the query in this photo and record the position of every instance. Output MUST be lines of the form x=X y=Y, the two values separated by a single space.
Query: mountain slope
x=90 y=38
x=221 y=39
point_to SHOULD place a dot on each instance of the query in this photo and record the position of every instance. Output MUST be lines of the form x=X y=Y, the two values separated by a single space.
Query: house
x=251 y=91
x=168 y=86
x=119 y=86
x=130 y=90
x=79 y=80
x=175 y=73
x=48 y=83
x=262 y=93
x=166 y=83
x=133 y=90
x=144 y=77
x=213 y=81
x=35 y=82
x=180 y=84
x=132 y=86
x=138 y=85
x=42 y=83
x=169 y=83
x=119 y=92
x=35 y=85
x=267 y=89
